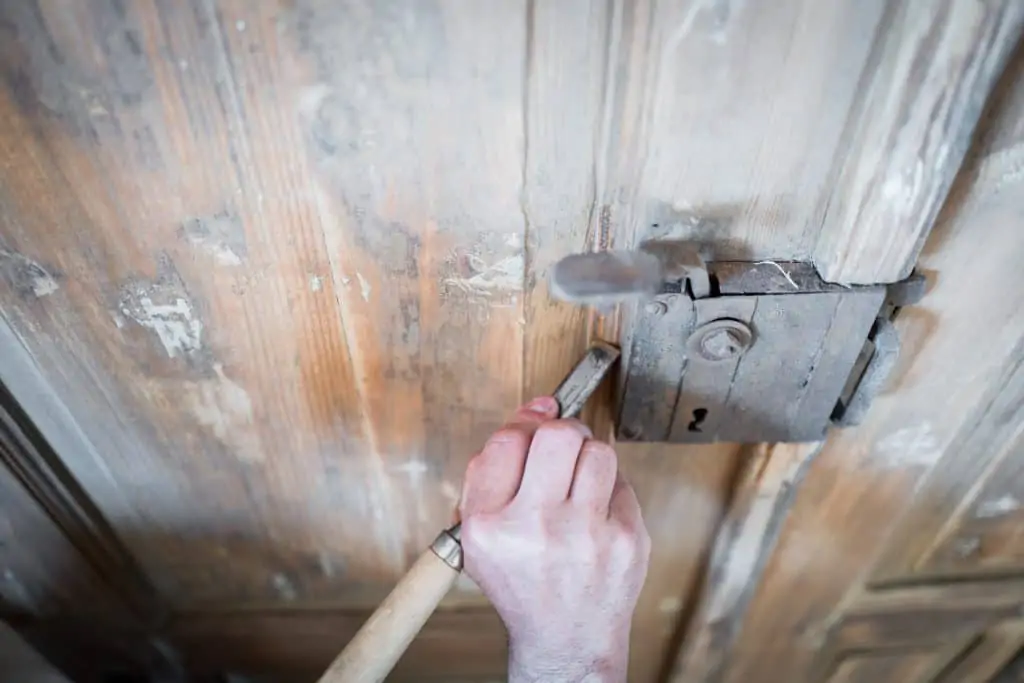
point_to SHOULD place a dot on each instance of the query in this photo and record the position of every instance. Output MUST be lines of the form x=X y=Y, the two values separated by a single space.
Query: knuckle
x=508 y=436
x=562 y=428
x=629 y=543
x=600 y=452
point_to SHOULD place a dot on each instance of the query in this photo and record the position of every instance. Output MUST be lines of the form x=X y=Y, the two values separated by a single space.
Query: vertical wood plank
x=924 y=89
x=859 y=488
x=746 y=538
x=714 y=104
x=564 y=96
x=274 y=265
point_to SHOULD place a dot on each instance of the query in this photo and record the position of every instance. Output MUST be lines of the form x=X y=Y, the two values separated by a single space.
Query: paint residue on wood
x=173 y=321
x=997 y=507
x=27 y=277
x=220 y=235
x=502 y=275
x=224 y=406
x=913 y=446
x=364 y=287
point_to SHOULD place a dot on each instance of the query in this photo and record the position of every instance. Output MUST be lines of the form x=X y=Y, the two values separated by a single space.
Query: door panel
x=896 y=537
x=271 y=272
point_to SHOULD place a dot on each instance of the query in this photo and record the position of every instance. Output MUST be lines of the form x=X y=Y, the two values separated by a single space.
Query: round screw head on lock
x=720 y=340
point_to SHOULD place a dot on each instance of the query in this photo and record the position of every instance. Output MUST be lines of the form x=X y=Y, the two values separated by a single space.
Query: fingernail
x=544 y=405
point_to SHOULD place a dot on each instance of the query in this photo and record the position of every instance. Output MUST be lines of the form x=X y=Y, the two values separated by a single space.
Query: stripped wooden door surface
x=270 y=272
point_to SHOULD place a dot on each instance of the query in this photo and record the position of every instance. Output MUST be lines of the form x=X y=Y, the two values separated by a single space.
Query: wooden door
x=271 y=271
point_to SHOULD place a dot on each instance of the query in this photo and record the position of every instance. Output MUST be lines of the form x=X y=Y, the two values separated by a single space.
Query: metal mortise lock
x=739 y=351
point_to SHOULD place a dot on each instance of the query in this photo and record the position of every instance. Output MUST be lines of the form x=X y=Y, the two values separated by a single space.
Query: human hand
x=554 y=537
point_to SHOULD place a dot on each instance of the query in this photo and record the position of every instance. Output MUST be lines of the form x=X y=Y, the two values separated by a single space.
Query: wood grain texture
x=760 y=499
x=958 y=345
x=989 y=656
x=924 y=88
x=683 y=491
x=713 y=107
x=278 y=307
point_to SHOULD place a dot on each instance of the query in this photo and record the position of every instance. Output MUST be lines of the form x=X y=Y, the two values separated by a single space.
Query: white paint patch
x=327 y=567
x=364 y=287
x=44 y=285
x=901 y=189
x=997 y=507
x=284 y=587
x=221 y=252
x=316 y=283
x=504 y=276
x=914 y=446
x=240 y=26
x=224 y=407
x=670 y=605
x=177 y=327
x=27 y=275
x=415 y=470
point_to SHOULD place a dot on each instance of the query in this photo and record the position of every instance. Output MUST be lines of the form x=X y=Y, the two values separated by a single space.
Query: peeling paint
x=414 y=469
x=913 y=446
x=27 y=277
x=180 y=331
x=220 y=235
x=284 y=587
x=364 y=287
x=316 y=283
x=997 y=507
x=222 y=405
x=505 y=275
x=327 y=567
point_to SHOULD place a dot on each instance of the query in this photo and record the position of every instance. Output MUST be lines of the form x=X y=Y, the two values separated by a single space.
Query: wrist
x=597 y=660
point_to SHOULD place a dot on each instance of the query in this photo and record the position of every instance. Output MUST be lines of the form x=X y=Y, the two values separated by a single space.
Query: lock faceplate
x=765 y=357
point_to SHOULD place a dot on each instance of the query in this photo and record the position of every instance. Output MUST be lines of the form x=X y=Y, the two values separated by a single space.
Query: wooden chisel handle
x=371 y=655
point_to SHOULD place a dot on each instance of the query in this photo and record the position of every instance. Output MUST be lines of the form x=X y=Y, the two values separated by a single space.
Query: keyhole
x=698 y=417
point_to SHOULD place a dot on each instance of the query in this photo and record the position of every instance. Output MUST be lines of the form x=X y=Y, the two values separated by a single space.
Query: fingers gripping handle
x=371 y=655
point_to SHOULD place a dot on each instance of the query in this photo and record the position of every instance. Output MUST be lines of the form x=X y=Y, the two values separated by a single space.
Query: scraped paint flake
x=914 y=446
x=284 y=587
x=327 y=567
x=224 y=406
x=505 y=275
x=175 y=323
x=415 y=470
x=316 y=283
x=364 y=287
x=26 y=275
x=997 y=507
